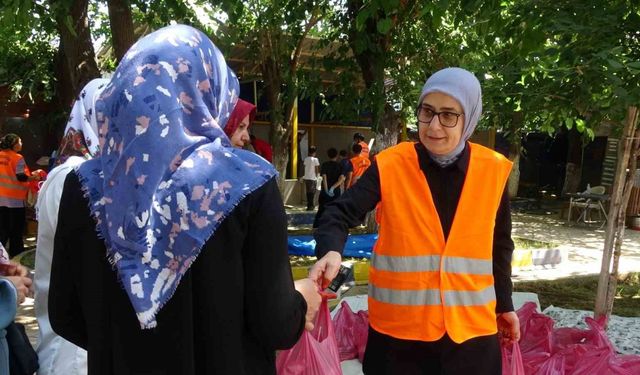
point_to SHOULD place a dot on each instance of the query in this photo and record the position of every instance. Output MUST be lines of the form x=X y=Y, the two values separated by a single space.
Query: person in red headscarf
x=237 y=128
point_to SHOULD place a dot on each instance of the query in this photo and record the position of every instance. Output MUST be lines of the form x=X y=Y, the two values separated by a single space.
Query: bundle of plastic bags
x=352 y=330
x=564 y=351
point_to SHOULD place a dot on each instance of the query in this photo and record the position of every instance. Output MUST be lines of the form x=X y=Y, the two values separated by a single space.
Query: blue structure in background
x=357 y=246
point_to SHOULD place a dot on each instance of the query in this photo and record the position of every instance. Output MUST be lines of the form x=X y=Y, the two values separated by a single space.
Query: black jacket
x=232 y=310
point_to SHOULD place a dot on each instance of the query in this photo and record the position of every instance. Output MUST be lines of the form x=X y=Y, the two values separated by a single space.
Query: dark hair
x=356 y=148
x=343 y=153
x=312 y=150
x=332 y=153
x=8 y=141
x=358 y=136
x=252 y=137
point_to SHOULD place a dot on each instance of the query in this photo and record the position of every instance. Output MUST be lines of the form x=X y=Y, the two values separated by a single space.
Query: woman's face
x=438 y=139
x=17 y=147
x=241 y=136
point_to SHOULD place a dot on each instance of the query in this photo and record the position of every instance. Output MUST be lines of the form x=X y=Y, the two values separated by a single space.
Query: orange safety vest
x=421 y=286
x=365 y=149
x=10 y=187
x=360 y=164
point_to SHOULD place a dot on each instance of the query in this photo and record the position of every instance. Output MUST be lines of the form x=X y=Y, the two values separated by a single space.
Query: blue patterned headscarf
x=167 y=175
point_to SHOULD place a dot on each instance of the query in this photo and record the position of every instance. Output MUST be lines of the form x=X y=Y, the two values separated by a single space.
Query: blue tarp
x=357 y=246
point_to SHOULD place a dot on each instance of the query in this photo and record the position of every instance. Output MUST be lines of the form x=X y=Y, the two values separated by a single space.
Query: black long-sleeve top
x=234 y=307
x=446 y=186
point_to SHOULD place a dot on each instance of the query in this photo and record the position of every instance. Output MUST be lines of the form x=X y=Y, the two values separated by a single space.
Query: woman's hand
x=14 y=269
x=326 y=269
x=22 y=285
x=508 y=327
x=309 y=292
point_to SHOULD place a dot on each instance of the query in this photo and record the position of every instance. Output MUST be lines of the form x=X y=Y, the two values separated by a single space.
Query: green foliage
x=28 y=49
x=543 y=64
x=159 y=13
x=544 y=60
x=272 y=32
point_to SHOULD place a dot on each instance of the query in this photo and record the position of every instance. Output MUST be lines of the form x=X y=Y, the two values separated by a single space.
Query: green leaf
x=568 y=123
x=390 y=6
x=361 y=18
x=580 y=125
x=615 y=65
x=384 y=25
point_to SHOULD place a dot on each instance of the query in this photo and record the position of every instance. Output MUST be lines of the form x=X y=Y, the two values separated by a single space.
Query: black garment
x=232 y=310
x=346 y=166
x=12 y=223
x=446 y=186
x=310 y=187
x=331 y=170
x=387 y=356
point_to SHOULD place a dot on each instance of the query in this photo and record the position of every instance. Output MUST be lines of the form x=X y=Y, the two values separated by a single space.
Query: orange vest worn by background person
x=360 y=164
x=365 y=149
x=421 y=287
x=10 y=187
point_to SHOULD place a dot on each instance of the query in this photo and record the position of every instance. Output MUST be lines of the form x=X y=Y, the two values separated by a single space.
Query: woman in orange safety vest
x=14 y=186
x=439 y=281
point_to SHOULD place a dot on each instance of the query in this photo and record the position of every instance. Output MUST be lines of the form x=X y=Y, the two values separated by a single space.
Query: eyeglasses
x=446 y=118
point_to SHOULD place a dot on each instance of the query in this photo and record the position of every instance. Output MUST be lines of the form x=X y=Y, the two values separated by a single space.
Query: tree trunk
x=515 y=149
x=514 y=176
x=77 y=44
x=280 y=143
x=392 y=126
x=574 y=163
x=121 y=24
x=623 y=182
x=65 y=95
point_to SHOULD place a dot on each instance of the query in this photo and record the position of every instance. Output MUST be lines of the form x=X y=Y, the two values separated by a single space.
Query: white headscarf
x=81 y=134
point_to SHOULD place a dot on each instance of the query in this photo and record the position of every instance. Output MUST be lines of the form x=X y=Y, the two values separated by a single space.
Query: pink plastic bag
x=352 y=330
x=512 y=360
x=568 y=351
x=344 y=324
x=535 y=329
x=361 y=333
x=316 y=353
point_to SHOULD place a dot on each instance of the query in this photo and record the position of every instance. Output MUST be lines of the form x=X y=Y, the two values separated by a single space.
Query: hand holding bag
x=316 y=353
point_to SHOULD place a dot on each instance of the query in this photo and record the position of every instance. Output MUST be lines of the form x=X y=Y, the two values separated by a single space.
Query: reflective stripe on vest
x=422 y=286
x=426 y=263
x=432 y=296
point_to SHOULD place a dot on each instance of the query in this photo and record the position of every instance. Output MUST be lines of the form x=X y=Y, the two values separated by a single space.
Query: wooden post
x=623 y=181
x=312 y=136
x=255 y=94
x=294 y=141
x=313 y=111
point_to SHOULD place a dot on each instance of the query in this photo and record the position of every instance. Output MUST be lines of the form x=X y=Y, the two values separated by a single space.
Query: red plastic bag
x=34 y=187
x=316 y=353
x=512 y=360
